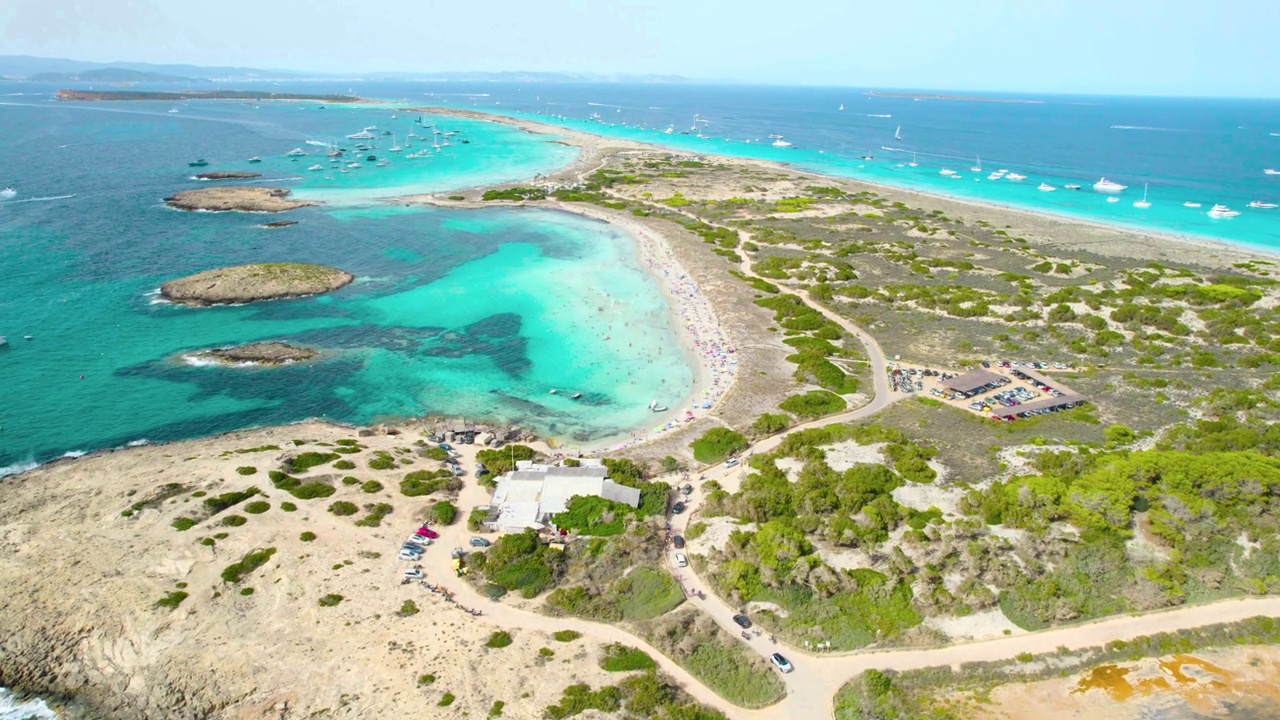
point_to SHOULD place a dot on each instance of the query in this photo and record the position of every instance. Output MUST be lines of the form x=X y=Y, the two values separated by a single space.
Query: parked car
x=414 y=573
x=446 y=446
x=986 y=364
x=677 y=508
x=427 y=532
x=419 y=541
x=687 y=490
x=742 y=621
x=731 y=462
x=479 y=542
x=678 y=542
x=781 y=663
x=681 y=560
x=410 y=555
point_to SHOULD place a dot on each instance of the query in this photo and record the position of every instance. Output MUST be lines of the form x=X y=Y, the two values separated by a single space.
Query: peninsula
x=235 y=198
x=104 y=95
x=249 y=283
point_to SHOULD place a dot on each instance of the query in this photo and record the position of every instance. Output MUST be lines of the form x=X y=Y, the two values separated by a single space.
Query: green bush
x=330 y=600
x=499 y=639
x=621 y=658
x=350 y=480
x=257 y=507
x=307 y=536
x=342 y=508
x=426 y=482
x=503 y=460
x=226 y=500
x=435 y=453
x=307 y=460
x=566 y=635
x=288 y=506
x=313 y=491
x=444 y=512
x=814 y=404
x=770 y=423
x=371 y=486
x=376 y=514
x=426 y=679
x=183 y=524
x=717 y=444
x=236 y=571
x=246 y=469
x=344 y=464
x=446 y=700
x=520 y=561
x=234 y=520
x=381 y=460
x=476 y=519
x=172 y=600
x=408 y=608
x=246 y=591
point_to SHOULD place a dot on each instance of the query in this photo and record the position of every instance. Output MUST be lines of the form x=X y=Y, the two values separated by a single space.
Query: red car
x=427 y=532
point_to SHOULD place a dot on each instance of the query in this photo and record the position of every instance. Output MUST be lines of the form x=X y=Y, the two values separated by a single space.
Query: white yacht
x=1107 y=186
x=1071 y=186
x=296 y=152
x=1046 y=187
x=994 y=176
x=1271 y=171
x=779 y=142
x=1113 y=199
x=1143 y=204
x=8 y=193
x=1222 y=211
x=1191 y=204
x=1015 y=177
x=314 y=168
x=1262 y=205
x=945 y=171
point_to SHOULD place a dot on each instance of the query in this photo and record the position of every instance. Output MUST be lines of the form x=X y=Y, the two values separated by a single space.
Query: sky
x=1146 y=47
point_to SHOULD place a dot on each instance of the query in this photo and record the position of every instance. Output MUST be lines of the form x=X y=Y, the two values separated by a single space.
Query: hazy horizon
x=1088 y=47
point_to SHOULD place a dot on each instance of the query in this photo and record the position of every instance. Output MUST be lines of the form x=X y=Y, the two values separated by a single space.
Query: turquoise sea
x=475 y=313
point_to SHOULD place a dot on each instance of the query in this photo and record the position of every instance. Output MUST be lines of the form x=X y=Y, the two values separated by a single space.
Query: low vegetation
x=621 y=658
x=717 y=444
x=246 y=565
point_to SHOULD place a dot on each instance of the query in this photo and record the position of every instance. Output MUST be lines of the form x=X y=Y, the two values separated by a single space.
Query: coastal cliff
x=235 y=198
x=247 y=283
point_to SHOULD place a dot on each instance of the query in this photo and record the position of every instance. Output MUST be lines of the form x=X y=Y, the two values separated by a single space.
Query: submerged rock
x=261 y=353
x=236 y=199
x=279 y=224
x=247 y=283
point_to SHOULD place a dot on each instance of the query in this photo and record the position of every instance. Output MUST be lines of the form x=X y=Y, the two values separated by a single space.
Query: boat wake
x=41 y=199
x=1147 y=129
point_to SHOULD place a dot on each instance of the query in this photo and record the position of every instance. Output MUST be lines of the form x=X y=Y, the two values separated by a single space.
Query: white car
x=681 y=560
x=781 y=663
x=419 y=540
x=414 y=573
x=410 y=555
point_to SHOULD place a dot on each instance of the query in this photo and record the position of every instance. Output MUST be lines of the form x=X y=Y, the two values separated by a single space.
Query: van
x=681 y=560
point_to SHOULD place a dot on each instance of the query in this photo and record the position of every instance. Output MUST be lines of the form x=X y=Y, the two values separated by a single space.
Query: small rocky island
x=260 y=353
x=227 y=175
x=247 y=283
x=236 y=198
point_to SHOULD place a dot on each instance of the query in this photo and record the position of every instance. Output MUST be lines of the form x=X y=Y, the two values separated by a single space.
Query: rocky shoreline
x=249 y=283
x=227 y=175
x=261 y=353
x=236 y=199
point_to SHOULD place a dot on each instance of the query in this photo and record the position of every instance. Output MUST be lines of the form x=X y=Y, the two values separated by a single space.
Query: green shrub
x=814 y=404
x=566 y=635
x=446 y=700
x=257 y=507
x=344 y=464
x=350 y=480
x=426 y=482
x=503 y=460
x=307 y=536
x=288 y=506
x=313 y=491
x=183 y=524
x=236 y=571
x=499 y=639
x=226 y=500
x=375 y=516
x=343 y=508
x=426 y=679
x=234 y=520
x=246 y=591
x=208 y=542
x=717 y=444
x=520 y=561
x=444 y=512
x=476 y=519
x=371 y=486
x=172 y=600
x=770 y=423
x=330 y=600
x=621 y=658
x=308 y=460
x=546 y=652
x=408 y=608
x=246 y=469
x=435 y=453
x=381 y=460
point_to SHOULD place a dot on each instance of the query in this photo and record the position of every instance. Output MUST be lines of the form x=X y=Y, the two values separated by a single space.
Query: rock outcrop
x=263 y=353
x=236 y=198
x=248 y=283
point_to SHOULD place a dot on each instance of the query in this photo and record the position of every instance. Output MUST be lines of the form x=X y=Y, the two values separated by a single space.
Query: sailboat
x=913 y=162
x=395 y=147
x=978 y=167
x=897 y=134
x=1143 y=204
x=841 y=106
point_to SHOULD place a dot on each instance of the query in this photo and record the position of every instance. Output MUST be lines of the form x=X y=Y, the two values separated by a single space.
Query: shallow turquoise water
x=475 y=313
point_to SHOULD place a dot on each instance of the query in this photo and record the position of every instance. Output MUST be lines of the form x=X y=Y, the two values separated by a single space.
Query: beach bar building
x=533 y=493
x=975 y=382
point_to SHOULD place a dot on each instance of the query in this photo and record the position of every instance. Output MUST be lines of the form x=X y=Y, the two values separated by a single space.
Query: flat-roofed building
x=974 y=382
x=533 y=493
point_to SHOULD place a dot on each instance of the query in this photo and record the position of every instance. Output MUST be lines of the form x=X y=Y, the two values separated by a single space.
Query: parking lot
x=1002 y=390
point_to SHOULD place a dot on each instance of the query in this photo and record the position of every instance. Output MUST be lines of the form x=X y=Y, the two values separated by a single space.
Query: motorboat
x=868 y=157
x=945 y=171
x=1143 y=204
x=1071 y=187
x=1271 y=171
x=198 y=163
x=313 y=168
x=255 y=159
x=1107 y=186
x=1015 y=177
x=8 y=193
x=1046 y=187
x=781 y=143
x=1113 y=199
x=576 y=395
x=1191 y=204
x=296 y=152
x=1222 y=211
x=1262 y=205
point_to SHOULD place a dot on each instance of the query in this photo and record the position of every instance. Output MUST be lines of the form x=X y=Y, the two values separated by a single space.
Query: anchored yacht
x=1107 y=186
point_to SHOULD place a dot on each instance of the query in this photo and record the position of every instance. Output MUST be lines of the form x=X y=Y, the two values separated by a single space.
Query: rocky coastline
x=260 y=353
x=250 y=283
x=236 y=199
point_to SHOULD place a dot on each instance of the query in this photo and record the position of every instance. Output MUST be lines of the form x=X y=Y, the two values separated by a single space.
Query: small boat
x=383 y=163
x=913 y=160
x=1262 y=205
x=1071 y=187
x=897 y=134
x=1270 y=171
x=255 y=159
x=3 y=341
x=1113 y=199
x=1191 y=204
x=978 y=166
x=8 y=193
x=945 y=171
x=1143 y=204
x=314 y=168
x=371 y=158
x=198 y=163
x=553 y=391
x=173 y=111
x=1046 y=187
x=296 y=152
x=841 y=106
x=1107 y=186
x=868 y=156
x=1222 y=211
x=576 y=395
x=1015 y=177
x=781 y=143
x=994 y=176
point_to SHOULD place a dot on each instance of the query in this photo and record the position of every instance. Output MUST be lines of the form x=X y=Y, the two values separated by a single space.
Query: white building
x=533 y=493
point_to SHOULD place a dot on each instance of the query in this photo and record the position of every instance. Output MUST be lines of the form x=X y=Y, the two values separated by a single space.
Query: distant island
x=249 y=283
x=236 y=198
x=966 y=98
x=227 y=175
x=259 y=353
x=104 y=95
